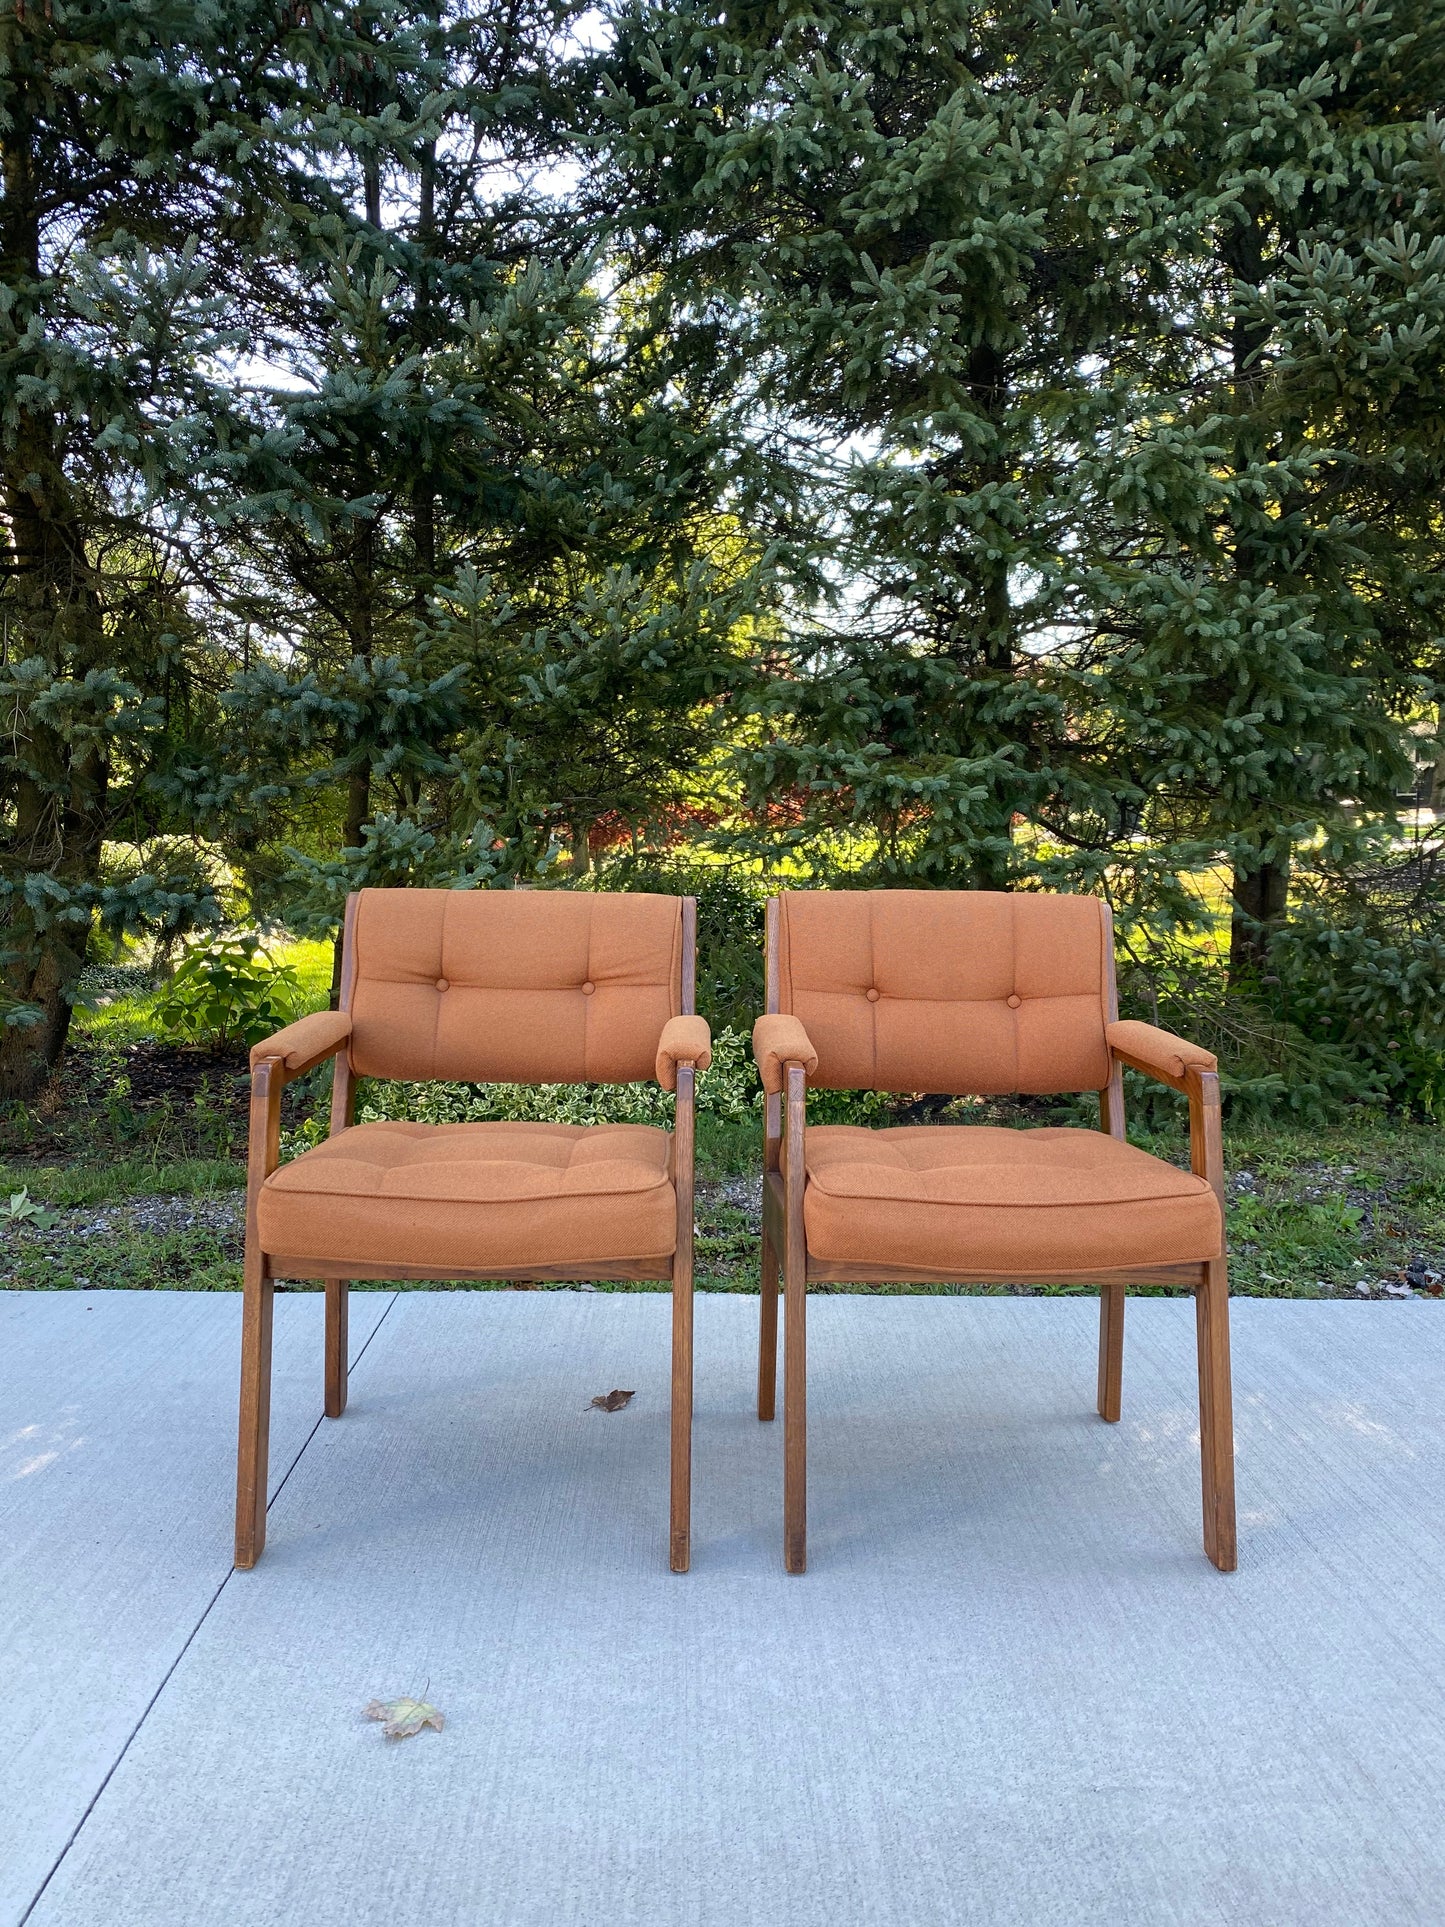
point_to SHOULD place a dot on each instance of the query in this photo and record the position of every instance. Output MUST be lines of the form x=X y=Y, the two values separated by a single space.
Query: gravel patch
x=741 y=1194
x=223 y=1212
x=80 y=1240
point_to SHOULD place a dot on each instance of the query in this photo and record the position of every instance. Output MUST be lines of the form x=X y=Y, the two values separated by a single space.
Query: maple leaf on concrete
x=404 y=1717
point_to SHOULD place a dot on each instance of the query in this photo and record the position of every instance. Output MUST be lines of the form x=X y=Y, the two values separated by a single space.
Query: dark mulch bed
x=191 y=1097
x=178 y=1072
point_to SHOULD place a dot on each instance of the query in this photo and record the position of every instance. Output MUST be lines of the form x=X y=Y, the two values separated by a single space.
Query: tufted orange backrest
x=974 y=992
x=511 y=986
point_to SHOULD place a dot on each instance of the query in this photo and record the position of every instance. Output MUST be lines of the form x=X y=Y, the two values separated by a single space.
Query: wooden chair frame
x=785 y=1247
x=262 y=1268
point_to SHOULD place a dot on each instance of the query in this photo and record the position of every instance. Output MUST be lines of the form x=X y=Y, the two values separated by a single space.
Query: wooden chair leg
x=768 y=1332
x=337 y=1346
x=795 y=1413
x=1111 y=1352
x=680 y=1542
x=253 y=1448
x=1216 y=1414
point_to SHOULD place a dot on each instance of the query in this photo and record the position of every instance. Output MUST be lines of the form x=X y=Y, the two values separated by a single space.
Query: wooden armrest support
x=263 y=1149
x=301 y=1046
x=1206 y=1134
x=1184 y=1067
x=276 y=1062
x=684 y=1130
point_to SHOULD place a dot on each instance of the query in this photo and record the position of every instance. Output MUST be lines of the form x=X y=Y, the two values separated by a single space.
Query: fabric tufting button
x=873 y=996
x=587 y=989
x=443 y=983
x=1014 y=1001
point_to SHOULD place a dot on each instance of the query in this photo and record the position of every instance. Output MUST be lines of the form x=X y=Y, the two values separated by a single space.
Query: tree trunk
x=1260 y=888
x=358 y=809
x=30 y=1053
x=43 y=962
x=1261 y=899
x=988 y=381
x=59 y=794
x=423 y=495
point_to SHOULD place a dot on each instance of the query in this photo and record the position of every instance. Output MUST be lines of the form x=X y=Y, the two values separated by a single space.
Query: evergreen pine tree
x=925 y=255
x=497 y=485
x=1122 y=330
x=144 y=154
x=1273 y=603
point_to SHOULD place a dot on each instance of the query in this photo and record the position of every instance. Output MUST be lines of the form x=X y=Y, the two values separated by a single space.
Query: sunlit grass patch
x=312 y=962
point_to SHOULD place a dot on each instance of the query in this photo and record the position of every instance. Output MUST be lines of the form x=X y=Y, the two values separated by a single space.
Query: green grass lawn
x=136 y=1157
x=1311 y=1214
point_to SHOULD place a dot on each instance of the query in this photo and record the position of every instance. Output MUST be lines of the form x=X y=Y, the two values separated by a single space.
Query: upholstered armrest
x=1144 y=1047
x=304 y=1044
x=684 y=1040
x=780 y=1040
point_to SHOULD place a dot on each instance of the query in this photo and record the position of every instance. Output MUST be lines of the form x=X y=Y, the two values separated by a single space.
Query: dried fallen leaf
x=613 y=1401
x=404 y=1717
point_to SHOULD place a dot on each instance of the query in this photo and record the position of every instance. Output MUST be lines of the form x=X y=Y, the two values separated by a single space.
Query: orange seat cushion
x=475 y=1196
x=974 y=1198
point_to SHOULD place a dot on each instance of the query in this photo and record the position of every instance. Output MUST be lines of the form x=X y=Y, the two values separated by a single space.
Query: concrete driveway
x=1009 y=1690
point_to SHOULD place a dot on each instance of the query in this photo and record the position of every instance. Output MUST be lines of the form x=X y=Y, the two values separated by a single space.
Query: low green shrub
x=728 y=1091
x=1361 y=967
x=1269 y=1065
x=1348 y=1011
x=228 y=993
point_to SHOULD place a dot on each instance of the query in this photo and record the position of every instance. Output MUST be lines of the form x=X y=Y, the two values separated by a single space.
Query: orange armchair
x=485 y=986
x=977 y=993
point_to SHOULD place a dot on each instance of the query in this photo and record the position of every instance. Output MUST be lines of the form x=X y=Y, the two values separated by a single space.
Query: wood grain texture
x=254 y=1421
x=768 y=1326
x=1216 y=1416
x=343 y=1078
x=253 y=1444
x=772 y=1100
x=1111 y=1122
x=772 y=939
x=773 y=1244
x=1206 y=1132
x=638 y=1271
x=1111 y=1352
x=774 y=1207
x=689 y=957
x=337 y=1345
x=795 y=1330
x=680 y=1532
x=848 y=1272
x=1111 y=1098
x=1159 y=1075
x=773 y=1239
x=1216 y=1403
